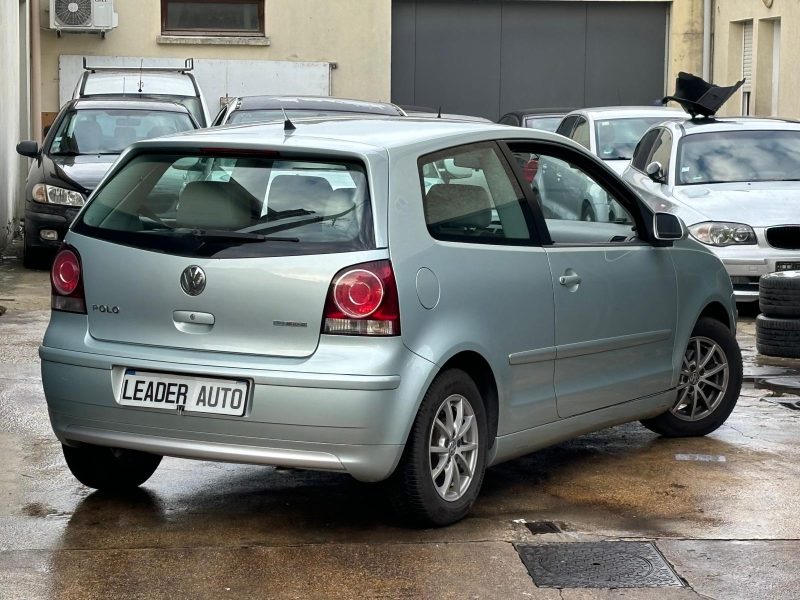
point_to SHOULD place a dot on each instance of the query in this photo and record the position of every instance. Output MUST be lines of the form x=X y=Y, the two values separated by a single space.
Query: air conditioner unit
x=82 y=16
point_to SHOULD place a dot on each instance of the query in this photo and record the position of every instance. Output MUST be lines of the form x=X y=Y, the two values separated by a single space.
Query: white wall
x=11 y=164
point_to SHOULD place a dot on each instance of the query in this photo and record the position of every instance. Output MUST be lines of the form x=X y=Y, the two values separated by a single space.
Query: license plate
x=183 y=393
x=787 y=266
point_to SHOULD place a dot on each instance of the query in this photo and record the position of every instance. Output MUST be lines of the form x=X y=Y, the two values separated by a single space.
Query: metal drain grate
x=538 y=527
x=597 y=565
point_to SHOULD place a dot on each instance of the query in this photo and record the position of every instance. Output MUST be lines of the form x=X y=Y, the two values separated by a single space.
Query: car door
x=471 y=239
x=615 y=296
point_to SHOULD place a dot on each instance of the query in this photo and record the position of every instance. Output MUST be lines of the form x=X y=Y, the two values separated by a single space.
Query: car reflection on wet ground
x=721 y=510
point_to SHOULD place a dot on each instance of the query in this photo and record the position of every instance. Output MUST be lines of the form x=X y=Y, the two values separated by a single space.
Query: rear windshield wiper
x=244 y=237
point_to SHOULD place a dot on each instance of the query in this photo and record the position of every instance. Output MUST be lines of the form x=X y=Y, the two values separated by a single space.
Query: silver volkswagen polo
x=381 y=297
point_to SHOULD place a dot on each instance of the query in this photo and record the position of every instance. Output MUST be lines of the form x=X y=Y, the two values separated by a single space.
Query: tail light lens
x=67 y=282
x=362 y=300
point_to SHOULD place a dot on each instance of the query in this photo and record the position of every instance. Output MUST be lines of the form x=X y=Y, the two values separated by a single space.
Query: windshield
x=617 y=138
x=110 y=131
x=276 y=114
x=233 y=207
x=543 y=123
x=730 y=156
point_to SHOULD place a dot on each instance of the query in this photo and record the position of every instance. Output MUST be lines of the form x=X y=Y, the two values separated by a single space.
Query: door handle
x=569 y=280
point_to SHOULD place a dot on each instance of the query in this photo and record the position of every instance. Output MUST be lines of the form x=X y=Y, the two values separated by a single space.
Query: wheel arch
x=479 y=369
x=715 y=310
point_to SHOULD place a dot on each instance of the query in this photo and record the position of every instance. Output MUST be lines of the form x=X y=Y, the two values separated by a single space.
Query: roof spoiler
x=188 y=65
x=698 y=97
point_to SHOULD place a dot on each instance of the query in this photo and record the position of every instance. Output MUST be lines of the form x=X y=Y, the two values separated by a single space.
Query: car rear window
x=233 y=206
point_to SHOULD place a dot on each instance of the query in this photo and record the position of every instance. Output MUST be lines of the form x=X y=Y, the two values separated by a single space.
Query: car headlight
x=723 y=234
x=49 y=194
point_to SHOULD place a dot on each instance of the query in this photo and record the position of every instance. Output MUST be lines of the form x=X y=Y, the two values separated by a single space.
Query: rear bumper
x=333 y=422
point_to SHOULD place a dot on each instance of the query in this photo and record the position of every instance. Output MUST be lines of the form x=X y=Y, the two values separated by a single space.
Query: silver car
x=380 y=297
x=736 y=183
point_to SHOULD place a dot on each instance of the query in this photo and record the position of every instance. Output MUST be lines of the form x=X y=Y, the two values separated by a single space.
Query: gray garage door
x=486 y=57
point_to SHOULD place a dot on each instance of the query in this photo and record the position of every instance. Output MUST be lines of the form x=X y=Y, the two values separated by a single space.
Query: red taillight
x=362 y=300
x=67 y=284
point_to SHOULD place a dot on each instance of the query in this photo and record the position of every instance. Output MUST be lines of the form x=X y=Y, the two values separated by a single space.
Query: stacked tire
x=778 y=325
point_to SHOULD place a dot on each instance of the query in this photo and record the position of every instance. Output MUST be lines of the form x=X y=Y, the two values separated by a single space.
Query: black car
x=545 y=119
x=83 y=143
x=259 y=109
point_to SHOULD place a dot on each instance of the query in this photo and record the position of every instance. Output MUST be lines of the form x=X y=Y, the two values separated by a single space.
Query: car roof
x=135 y=103
x=539 y=112
x=737 y=124
x=623 y=112
x=316 y=103
x=112 y=82
x=447 y=116
x=349 y=134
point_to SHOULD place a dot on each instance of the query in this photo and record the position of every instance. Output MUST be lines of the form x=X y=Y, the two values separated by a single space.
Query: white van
x=172 y=84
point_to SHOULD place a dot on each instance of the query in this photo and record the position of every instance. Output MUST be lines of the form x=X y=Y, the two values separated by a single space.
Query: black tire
x=778 y=337
x=411 y=489
x=779 y=294
x=668 y=425
x=34 y=258
x=111 y=469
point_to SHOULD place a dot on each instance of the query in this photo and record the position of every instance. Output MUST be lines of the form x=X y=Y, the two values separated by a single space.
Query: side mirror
x=655 y=171
x=28 y=148
x=668 y=228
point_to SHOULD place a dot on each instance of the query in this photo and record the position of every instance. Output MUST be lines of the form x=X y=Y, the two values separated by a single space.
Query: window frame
x=215 y=32
x=642 y=215
x=534 y=232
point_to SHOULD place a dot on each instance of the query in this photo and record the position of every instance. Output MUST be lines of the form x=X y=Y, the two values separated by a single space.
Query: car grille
x=785 y=238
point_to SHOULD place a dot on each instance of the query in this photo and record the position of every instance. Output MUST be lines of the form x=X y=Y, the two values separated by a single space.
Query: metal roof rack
x=188 y=65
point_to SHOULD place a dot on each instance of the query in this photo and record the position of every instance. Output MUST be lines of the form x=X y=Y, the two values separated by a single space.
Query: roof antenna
x=288 y=126
x=439 y=116
x=141 y=68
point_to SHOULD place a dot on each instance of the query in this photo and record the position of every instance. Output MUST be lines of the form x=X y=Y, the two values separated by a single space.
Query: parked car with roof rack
x=86 y=138
x=308 y=300
x=736 y=184
x=168 y=84
x=260 y=109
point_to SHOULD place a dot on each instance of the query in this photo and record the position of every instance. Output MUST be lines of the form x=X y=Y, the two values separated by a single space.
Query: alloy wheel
x=703 y=381
x=453 y=447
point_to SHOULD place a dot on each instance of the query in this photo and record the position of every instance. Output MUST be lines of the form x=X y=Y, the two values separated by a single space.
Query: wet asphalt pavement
x=722 y=510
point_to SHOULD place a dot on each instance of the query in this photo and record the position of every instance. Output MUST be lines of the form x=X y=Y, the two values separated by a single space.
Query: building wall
x=355 y=34
x=729 y=16
x=13 y=116
x=685 y=39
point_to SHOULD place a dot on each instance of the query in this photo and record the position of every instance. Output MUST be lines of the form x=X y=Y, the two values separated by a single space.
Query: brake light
x=362 y=300
x=67 y=282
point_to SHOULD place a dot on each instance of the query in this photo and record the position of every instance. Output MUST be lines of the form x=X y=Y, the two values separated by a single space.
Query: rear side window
x=470 y=196
x=233 y=207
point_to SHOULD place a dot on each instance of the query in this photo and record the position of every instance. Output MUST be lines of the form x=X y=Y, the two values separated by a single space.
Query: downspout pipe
x=36 y=71
x=707 y=16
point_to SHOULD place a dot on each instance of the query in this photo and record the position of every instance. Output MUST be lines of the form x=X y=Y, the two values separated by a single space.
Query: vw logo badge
x=193 y=280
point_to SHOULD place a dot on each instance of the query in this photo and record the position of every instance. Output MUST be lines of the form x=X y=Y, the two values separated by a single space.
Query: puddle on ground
x=784 y=391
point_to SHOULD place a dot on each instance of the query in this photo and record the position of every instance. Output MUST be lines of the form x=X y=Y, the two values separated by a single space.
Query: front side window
x=565 y=127
x=581 y=134
x=212 y=17
x=577 y=209
x=469 y=195
x=617 y=138
x=110 y=131
x=643 y=148
x=543 y=123
x=733 y=156
x=662 y=150
x=232 y=207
